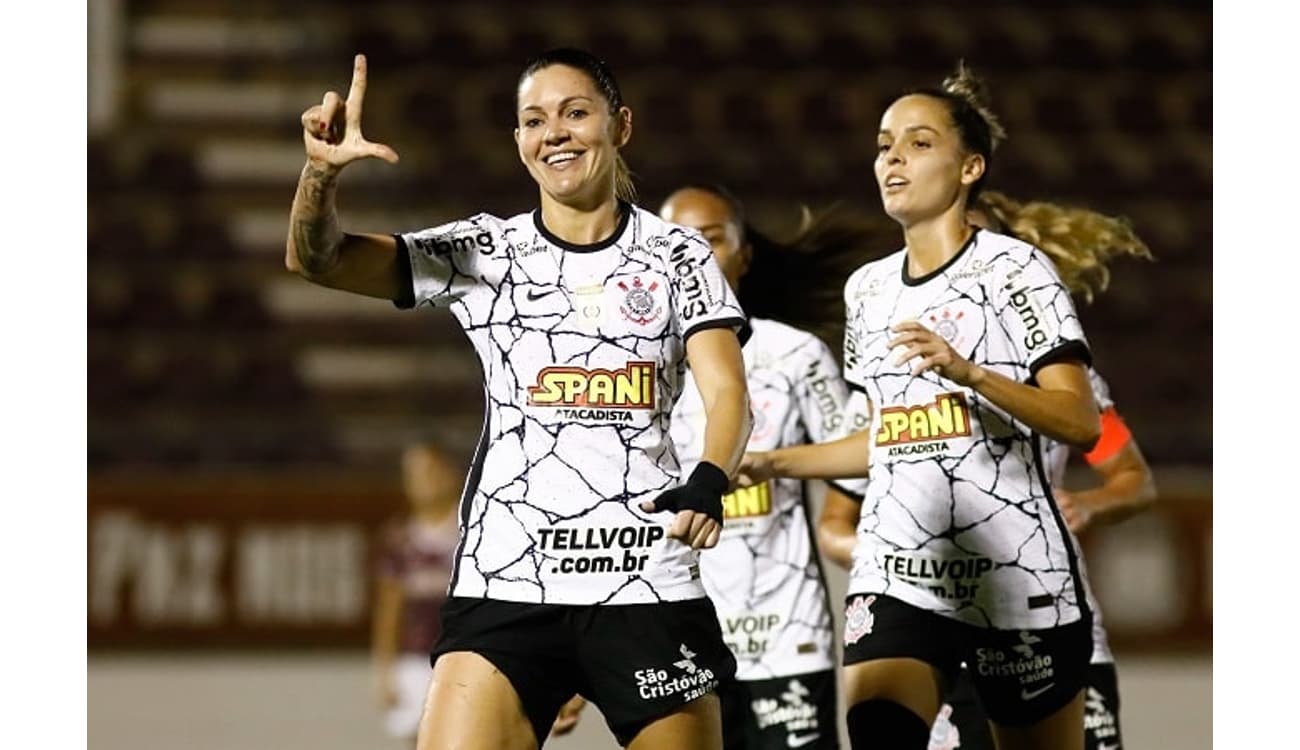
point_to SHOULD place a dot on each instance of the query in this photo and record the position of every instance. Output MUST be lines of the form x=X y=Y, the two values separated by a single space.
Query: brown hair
x=799 y=279
x=980 y=130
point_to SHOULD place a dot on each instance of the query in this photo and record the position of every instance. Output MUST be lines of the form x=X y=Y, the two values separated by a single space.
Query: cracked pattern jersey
x=583 y=354
x=958 y=517
x=1057 y=458
x=764 y=577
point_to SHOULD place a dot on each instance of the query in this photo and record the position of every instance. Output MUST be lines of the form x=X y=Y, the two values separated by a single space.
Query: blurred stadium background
x=244 y=427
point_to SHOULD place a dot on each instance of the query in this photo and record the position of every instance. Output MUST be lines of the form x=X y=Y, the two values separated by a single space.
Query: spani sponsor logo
x=632 y=387
x=948 y=416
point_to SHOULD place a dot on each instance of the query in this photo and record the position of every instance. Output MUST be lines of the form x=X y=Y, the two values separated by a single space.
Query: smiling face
x=922 y=167
x=709 y=213
x=568 y=139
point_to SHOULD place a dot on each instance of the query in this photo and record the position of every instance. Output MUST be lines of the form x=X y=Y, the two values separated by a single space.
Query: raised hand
x=331 y=130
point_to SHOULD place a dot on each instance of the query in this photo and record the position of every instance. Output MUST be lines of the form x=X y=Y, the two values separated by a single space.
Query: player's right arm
x=846 y=458
x=837 y=527
x=317 y=248
x=1128 y=486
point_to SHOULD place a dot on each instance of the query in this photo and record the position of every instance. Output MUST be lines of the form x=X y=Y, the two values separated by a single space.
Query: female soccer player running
x=969 y=352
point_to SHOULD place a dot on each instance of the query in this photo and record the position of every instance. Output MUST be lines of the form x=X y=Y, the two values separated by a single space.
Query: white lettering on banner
x=300 y=574
x=173 y=572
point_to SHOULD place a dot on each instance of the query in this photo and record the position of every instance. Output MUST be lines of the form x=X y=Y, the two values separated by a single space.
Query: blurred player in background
x=414 y=568
x=1081 y=243
x=765 y=577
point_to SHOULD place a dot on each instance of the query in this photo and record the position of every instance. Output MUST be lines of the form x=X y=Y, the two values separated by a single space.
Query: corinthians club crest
x=640 y=305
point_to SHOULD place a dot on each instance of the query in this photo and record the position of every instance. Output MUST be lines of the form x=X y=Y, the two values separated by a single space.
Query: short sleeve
x=1037 y=312
x=823 y=400
x=440 y=265
x=1100 y=391
x=821 y=393
x=702 y=298
x=854 y=334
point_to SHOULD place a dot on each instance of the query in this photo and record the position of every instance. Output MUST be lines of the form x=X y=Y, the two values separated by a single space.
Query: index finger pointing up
x=358 y=90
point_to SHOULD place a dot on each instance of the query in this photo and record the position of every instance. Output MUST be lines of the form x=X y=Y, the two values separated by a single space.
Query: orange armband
x=1114 y=436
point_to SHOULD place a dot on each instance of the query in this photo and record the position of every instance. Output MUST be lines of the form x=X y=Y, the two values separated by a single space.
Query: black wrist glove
x=702 y=492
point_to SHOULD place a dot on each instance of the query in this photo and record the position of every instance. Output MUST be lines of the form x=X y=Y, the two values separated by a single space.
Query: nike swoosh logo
x=534 y=296
x=1029 y=695
x=794 y=740
x=1104 y=746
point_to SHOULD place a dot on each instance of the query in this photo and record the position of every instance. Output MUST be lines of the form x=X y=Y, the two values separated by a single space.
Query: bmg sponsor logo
x=820 y=387
x=695 y=292
x=448 y=244
x=1031 y=315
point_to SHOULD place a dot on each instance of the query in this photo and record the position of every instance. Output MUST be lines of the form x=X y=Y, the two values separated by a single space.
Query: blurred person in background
x=1081 y=243
x=968 y=350
x=765 y=577
x=568 y=577
x=413 y=570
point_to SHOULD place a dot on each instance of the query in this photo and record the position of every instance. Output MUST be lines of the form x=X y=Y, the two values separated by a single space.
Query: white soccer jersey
x=583 y=355
x=764 y=577
x=956 y=518
x=1057 y=457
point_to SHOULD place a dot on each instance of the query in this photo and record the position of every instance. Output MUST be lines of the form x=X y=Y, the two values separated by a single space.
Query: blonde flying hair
x=1081 y=243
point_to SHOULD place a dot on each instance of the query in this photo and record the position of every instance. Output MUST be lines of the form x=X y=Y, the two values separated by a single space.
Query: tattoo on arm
x=314 y=224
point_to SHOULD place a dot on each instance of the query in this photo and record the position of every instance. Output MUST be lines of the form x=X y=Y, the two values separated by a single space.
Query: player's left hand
x=932 y=352
x=698 y=506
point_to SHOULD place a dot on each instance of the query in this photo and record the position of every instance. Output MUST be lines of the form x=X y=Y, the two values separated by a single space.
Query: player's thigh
x=1031 y=684
x=795 y=711
x=1101 y=726
x=501 y=672
x=693 y=726
x=644 y=663
x=1060 y=730
x=472 y=706
x=896 y=652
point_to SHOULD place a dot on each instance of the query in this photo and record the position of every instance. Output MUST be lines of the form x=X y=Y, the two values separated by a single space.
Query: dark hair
x=968 y=104
x=603 y=77
x=799 y=280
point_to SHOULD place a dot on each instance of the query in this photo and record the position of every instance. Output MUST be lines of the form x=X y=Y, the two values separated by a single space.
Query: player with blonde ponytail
x=968 y=352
